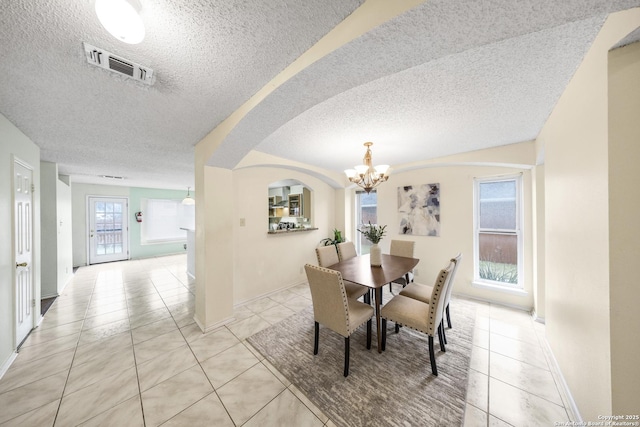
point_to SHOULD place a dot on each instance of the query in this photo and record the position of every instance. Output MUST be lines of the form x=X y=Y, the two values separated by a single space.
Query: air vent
x=103 y=59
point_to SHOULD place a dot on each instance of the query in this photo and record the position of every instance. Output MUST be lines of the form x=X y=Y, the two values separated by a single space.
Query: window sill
x=499 y=288
x=291 y=230
x=161 y=242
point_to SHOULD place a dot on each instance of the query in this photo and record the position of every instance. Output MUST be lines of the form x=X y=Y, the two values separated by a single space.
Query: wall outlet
x=243 y=222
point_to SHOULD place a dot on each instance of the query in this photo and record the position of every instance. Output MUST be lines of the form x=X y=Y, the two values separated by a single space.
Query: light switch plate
x=242 y=222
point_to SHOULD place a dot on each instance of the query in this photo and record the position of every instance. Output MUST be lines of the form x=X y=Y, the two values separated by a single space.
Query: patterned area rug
x=395 y=388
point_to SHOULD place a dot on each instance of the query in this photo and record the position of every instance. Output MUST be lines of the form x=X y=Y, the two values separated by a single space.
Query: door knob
x=22 y=264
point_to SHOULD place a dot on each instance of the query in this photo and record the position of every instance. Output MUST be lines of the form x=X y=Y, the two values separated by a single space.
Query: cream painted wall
x=14 y=143
x=64 y=234
x=267 y=262
x=456 y=233
x=538 y=223
x=48 y=223
x=575 y=140
x=57 y=250
x=624 y=227
x=79 y=194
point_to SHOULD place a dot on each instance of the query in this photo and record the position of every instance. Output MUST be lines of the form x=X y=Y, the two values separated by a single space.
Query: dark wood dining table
x=359 y=270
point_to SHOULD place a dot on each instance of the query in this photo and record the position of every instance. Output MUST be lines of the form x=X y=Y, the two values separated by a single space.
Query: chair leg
x=448 y=317
x=369 y=334
x=315 y=338
x=444 y=335
x=367 y=297
x=432 y=357
x=346 y=356
x=384 y=334
x=397 y=327
x=440 y=327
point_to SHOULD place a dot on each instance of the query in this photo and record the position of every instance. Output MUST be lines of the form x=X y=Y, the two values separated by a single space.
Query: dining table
x=359 y=270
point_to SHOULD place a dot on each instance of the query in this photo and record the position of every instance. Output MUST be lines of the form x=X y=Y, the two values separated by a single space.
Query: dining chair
x=328 y=255
x=418 y=315
x=403 y=248
x=422 y=292
x=334 y=310
x=346 y=250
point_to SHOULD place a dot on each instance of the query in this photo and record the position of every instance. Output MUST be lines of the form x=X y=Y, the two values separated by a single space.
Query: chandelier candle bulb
x=367 y=176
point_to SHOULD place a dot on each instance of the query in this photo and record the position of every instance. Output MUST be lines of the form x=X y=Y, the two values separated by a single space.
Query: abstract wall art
x=419 y=209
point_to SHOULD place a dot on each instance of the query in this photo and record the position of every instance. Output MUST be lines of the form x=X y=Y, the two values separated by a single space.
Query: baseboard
x=284 y=288
x=7 y=363
x=207 y=329
x=563 y=388
x=49 y=296
x=488 y=301
x=537 y=318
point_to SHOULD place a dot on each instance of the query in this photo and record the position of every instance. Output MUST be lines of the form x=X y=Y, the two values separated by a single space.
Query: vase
x=376 y=255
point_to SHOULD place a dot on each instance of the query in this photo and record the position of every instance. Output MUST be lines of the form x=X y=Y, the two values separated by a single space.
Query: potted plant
x=337 y=238
x=374 y=233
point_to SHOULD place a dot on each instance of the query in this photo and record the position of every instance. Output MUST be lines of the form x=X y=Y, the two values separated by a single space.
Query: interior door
x=108 y=229
x=23 y=249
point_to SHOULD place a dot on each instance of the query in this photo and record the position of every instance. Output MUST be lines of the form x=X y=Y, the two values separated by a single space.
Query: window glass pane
x=498 y=257
x=366 y=211
x=498 y=205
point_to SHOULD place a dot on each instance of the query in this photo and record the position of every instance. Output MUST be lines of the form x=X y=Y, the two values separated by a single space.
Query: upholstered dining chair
x=423 y=292
x=403 y=248
x=346 y=250
x=334 y=310
x=418 y=315
x=327 y=255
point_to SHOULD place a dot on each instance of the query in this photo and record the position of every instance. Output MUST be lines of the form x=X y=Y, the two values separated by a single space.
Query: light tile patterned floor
x=120 y=348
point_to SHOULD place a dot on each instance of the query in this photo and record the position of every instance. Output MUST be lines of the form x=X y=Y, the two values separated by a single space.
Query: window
x=161 y=221
x=366 y=211
x=498 y=235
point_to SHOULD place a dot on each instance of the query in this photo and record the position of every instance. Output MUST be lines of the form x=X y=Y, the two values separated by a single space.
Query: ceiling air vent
x=107 y=60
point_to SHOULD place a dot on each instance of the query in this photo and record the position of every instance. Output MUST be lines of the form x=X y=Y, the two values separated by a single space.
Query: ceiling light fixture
x=121 y=19
x=188 y=200
x=367 y=176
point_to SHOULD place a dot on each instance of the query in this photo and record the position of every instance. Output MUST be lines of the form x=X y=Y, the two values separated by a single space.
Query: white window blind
x=161 y=221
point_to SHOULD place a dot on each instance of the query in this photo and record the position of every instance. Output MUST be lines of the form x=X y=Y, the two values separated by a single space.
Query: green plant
x=499 y=272
x=373 y=233
x=337 y=238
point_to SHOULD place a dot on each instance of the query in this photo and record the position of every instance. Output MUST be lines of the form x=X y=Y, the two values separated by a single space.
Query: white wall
x=14 y=143
x=267 y=262
x=49 y=224
x=577 y=189
x=64 y=234
x=79 y=194
x=456 y=220
x=624 y=228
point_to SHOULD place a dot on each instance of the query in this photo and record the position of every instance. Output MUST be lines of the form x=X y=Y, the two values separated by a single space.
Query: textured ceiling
x=445 y=77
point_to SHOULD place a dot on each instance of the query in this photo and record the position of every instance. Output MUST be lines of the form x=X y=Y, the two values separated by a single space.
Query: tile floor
x=120 y=348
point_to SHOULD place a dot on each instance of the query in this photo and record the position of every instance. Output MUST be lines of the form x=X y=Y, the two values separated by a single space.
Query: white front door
x=23 y=249
x=108 y=229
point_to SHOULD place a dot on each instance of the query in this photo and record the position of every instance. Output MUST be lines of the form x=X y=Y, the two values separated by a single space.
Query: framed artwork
x=419 y=209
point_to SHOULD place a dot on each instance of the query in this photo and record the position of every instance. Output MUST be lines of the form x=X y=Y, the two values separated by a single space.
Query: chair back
x=346 y=250
x=436 y=302
x=330 y=306
x=327 y=255
x=456 y=263
x=402 y=248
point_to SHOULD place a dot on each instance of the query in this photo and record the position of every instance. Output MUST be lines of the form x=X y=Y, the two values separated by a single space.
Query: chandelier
x=367 y=176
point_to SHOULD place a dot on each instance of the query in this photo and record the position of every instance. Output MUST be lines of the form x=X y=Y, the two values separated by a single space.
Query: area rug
x=394 y=388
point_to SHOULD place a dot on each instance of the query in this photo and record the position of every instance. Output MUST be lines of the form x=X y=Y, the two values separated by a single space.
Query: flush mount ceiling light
x=121 y=19
x=188 y=200
x=367 y=176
